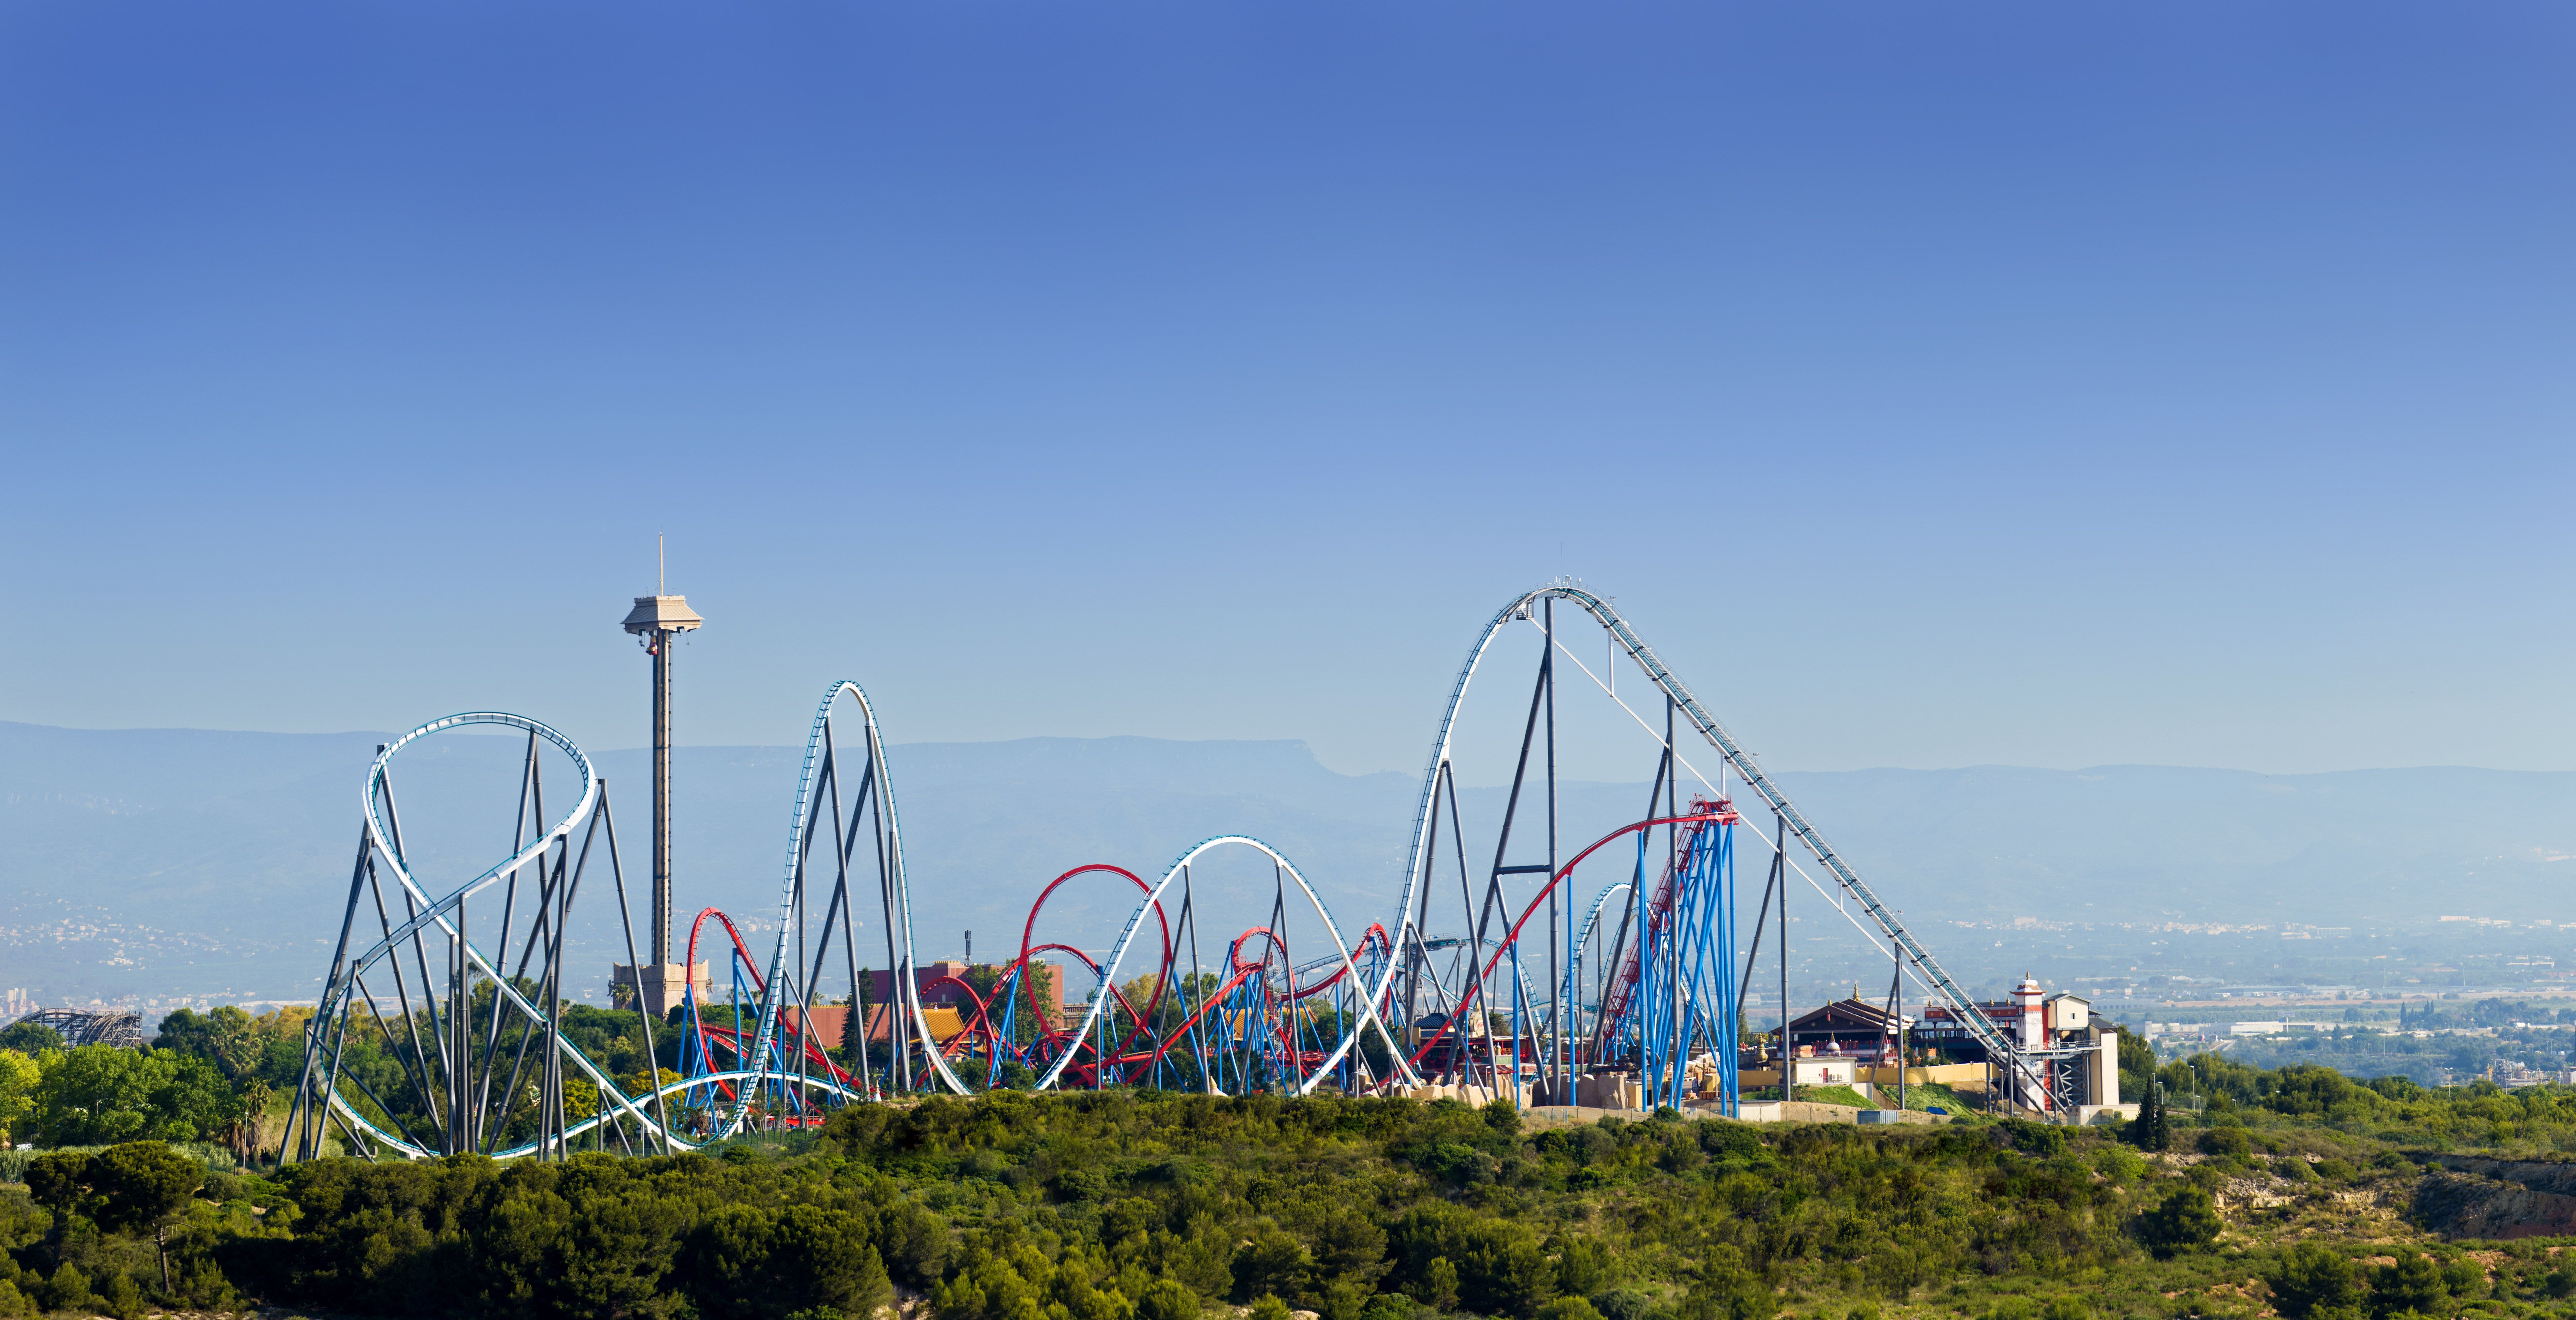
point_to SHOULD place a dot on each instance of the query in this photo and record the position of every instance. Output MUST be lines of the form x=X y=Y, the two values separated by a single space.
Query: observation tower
x=657 y=622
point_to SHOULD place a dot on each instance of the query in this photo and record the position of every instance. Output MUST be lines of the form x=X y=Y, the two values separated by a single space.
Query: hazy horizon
x=1306 y=744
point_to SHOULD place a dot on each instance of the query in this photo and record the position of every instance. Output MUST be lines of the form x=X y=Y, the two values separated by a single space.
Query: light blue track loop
x=1368 y=1014
x=437 y=913
x=808 y=784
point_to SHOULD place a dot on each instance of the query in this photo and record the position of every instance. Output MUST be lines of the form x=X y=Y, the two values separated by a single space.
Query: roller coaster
x=1530 y=988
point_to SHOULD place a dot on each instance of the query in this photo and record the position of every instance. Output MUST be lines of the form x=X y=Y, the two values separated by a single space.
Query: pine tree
x=2154 y=1131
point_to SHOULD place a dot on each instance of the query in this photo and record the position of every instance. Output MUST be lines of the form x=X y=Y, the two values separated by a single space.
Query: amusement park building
x=1858 y=1030
x=942 y=985
x=1852 y=1027
x=830 y=1023
x=2037 y=1021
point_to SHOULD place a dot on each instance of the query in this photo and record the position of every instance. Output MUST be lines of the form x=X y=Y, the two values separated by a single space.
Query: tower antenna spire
x=661 y=568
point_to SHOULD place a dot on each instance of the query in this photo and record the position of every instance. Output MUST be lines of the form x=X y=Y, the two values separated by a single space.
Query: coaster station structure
x=1528 y=989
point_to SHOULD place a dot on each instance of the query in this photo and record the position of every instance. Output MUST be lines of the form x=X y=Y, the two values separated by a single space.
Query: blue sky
x=1934 y=385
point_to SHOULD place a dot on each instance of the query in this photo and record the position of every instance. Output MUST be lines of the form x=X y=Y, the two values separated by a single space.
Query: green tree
x=1439 y=1284
x=30 y=1038
x=137 y=1187
x=227 y=1038
x=1343 y=1299
x=989 y=980
x=2560 y=1283
x=123 y=1299
x=1271 y=1260
x=2137 y=1064
x=68 y=1290
x=2312 y=1276
x=2153 y=1130
x=1168 y=1299
x=18 y=1077
x=2414 y=1284
x=2314 y=1091
x=2187 y=1220
x=1582 y=1263
x=1502 y=1271
x=759 y=1264
x=99 y=1095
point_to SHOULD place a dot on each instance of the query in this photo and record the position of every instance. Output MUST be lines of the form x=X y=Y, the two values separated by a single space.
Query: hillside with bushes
x=2295 y=1192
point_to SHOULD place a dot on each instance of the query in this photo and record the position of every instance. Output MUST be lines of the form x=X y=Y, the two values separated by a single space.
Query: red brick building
x=937 y=982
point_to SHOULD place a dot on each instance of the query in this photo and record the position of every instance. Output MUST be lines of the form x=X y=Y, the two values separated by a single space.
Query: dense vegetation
x=1124 y=1206
x=2287 y=1192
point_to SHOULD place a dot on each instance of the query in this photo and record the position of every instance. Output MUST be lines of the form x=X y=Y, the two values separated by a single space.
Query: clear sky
x=1933 y=384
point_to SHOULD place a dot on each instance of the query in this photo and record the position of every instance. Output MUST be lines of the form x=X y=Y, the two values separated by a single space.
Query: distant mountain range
x=152 y=863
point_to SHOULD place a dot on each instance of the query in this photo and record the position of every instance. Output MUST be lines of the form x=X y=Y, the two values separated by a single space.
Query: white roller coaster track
x=808 y=782
x=1100 y=999
x=434 y=911
x=385 y=836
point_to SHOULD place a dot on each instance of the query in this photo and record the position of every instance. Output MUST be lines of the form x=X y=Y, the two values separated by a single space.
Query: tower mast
x=656 y=622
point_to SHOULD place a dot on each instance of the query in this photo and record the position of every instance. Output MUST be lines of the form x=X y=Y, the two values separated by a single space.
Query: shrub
x=1438 y=1285
x=2119 y=1165
x=2414 y=1283
x=751 y=1262
x=123 y=1298
x=1168 y=1299
x=2465 y=1278
x=2225 y=1141
x=1728 y=1289
x=2310 y=1276
x=1581 y=1264
x=68 y=1290
x=2560 y=1283
x=2187 y=1220
x=1626 y=1304
x=2039 y=1140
